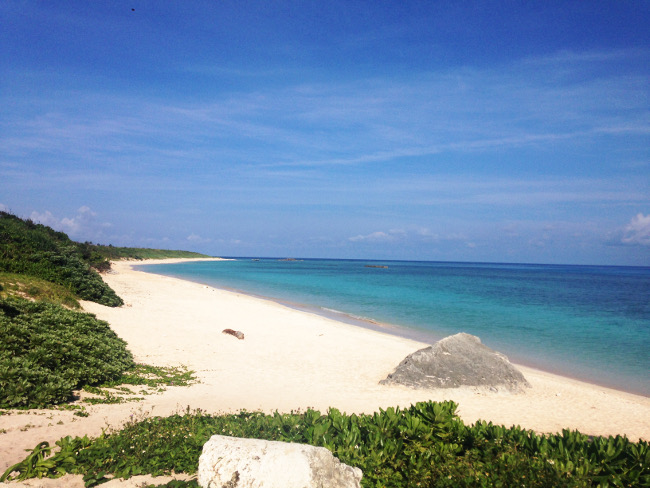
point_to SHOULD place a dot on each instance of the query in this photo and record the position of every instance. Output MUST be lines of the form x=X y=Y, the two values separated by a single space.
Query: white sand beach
x=292 y=360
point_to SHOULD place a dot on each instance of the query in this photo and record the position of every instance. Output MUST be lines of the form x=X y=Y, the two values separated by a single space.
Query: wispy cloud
x=637 y=231
x=460 y=190
x=82 y=225
x=368 y=121
x=412 y=235
x=197 y=239
x=418 y=151
x=571 y=58
x=378 y=236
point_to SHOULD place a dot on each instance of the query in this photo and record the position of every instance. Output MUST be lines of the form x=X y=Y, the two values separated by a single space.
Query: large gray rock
x=458 y=360
x=231 y=462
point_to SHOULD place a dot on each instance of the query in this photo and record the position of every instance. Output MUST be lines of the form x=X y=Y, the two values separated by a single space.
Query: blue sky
x=465 y=131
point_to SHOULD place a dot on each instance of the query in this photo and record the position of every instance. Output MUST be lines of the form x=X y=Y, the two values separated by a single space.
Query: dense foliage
x=425 y=445
x=46 y=351
x=14 y=284
x=39 y=251
x=114 y=253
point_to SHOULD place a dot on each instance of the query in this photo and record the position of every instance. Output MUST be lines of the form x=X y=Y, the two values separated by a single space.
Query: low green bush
x=46 y=351
x=37 y=250
x=426 y=445
x=12 y=284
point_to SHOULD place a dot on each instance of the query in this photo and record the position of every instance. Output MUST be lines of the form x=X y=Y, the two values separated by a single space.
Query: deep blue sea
x=587 y=322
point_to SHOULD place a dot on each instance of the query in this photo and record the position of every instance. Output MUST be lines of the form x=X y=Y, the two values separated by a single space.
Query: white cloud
x=82 y=220
x=637 y=232
x=429 y=236
x=538 y=242
x=348 y=123
x=421 y=234
x=425 y=232
x=80 y=226
x=197 y=239
x=3 y=208
x=372 y=237
x=46 y=218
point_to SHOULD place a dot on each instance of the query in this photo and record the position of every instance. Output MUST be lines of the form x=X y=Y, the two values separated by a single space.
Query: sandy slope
x=293 y=360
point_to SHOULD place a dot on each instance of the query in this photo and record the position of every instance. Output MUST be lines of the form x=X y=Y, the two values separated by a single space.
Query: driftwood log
x=239 y=335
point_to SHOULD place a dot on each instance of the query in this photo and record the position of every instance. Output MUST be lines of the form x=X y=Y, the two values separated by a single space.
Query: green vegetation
x=47 y=351
x=425 y=445
x=114 y=253
x=177 y=484
x=13 y=284
x=153 y=379
x=39 y=251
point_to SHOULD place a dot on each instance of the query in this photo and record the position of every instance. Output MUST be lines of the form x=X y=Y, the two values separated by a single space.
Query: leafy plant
x=13 y=284
x=154 y=378
x=425 y=445
x=37 y=250
x=39 y=465
x=177 y=484
x=47 y=351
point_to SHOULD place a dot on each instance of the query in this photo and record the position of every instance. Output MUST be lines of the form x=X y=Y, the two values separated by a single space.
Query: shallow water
x=588 y=322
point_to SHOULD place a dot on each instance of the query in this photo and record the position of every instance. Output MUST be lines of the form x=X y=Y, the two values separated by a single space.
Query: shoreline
x=292 y=360
x=391 y=333
x=425 y=337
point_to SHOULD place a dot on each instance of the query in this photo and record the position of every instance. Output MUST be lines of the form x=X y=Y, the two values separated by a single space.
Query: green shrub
x=13 y=284
x=37 y=250
x=47 y=351
x=425 y=445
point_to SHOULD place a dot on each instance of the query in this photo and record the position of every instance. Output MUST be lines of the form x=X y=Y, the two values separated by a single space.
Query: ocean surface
x=586 y=322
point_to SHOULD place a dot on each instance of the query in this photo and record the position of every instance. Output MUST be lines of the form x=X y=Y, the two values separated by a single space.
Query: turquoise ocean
x=587 y=322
